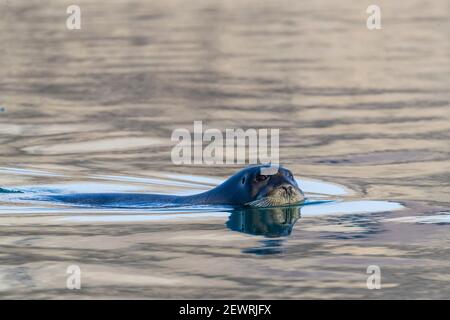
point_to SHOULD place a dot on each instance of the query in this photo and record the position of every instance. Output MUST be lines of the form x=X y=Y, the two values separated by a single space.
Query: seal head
x=261 y=186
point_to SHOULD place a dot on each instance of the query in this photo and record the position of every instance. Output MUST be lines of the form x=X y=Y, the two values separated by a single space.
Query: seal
x=254 y=186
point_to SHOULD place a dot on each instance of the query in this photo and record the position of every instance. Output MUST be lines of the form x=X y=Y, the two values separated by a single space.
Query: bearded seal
x=254 y=186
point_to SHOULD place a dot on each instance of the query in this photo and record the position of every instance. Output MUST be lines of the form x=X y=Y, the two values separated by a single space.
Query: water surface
x=364 y=121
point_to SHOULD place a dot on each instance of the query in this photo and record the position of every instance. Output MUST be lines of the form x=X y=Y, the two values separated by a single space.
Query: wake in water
x=127 y=202
x=2 y=190
x=127 y=198
x=253 y=186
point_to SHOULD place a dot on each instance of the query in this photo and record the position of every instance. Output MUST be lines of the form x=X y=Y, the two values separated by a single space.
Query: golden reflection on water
x=364 y=109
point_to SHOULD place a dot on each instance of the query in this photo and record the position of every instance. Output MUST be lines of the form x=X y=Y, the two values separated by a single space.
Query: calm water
x=364 y=119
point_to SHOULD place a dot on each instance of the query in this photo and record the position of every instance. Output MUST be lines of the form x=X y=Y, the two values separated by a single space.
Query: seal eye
x=243 y=180
x=260 y=178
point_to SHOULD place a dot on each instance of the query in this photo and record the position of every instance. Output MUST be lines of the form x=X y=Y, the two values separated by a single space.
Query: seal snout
x=273 y=187
x=282 y=193
x=287 y=193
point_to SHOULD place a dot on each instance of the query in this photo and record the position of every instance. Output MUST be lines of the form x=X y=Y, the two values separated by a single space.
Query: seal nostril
x=287 y=189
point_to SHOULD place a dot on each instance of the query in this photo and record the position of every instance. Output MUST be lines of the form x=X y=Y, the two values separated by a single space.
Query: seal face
x=257 y=186
x=272 y=186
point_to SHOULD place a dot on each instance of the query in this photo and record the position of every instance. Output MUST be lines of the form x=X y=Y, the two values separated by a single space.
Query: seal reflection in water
x=255 y=186
x=268 y=222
